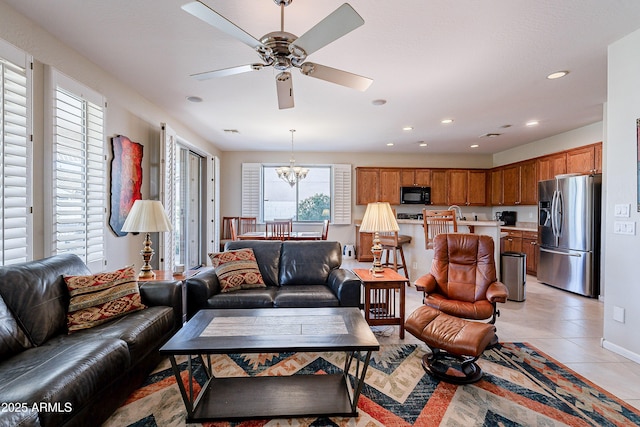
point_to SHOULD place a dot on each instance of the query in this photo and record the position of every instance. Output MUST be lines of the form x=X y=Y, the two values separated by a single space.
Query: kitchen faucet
x=458 y=211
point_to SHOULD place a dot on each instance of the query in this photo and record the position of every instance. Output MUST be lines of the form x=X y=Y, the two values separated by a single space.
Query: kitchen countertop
x=518 y=227
x=463 y=222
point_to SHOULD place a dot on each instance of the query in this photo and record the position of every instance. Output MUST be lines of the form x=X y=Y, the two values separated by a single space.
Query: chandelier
x=292 y=174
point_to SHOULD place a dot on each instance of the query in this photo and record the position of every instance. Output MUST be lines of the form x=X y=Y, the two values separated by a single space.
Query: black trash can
x=513 y=273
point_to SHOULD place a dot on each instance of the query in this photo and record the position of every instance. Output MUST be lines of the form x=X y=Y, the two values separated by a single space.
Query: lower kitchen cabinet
x=364 y=241
x=530 y=247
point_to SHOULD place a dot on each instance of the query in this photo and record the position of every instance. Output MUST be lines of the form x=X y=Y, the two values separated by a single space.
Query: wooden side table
x=380 y=298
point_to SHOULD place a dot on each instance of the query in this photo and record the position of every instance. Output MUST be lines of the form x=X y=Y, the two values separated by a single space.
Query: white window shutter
x=251 y=189
x=77 y=159
x=341 y=192
x=167 y=241
x=15 y=156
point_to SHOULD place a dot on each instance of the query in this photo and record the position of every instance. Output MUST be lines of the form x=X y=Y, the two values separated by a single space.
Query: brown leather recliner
x=463 y=281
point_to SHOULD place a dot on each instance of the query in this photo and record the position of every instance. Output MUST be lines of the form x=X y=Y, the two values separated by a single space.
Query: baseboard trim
x=620 y=350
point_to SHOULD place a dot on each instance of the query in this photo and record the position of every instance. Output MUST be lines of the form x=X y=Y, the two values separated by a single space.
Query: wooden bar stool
x=392 y=244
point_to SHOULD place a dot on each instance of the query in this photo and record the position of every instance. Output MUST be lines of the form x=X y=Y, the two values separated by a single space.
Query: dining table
x=295 y=235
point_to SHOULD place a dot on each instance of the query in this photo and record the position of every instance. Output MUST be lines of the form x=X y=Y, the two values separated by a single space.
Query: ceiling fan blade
x=336 y=76
x=227 y=71
x=213 y=18
x=284 y=85
x=338 y=23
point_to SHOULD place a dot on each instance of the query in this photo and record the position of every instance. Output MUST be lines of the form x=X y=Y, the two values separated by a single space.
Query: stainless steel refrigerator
x=569 y=233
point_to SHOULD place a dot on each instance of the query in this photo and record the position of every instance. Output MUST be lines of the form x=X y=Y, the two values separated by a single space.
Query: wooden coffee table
x=381 y=305
x=273 y=330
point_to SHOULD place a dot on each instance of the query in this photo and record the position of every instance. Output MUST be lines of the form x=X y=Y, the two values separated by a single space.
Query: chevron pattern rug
x=521 y=387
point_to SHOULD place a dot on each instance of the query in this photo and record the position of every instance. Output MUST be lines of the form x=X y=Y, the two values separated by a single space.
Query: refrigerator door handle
x=559 y=212
x=553 y=215
x=574 y=254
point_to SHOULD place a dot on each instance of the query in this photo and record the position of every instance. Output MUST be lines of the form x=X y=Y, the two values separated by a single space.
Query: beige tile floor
x=563 y=325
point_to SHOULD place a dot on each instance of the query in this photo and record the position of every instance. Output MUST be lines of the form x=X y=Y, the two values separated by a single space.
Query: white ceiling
x=481 y=63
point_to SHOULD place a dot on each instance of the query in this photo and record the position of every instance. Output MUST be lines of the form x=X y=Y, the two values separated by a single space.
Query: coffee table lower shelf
x=274 y=397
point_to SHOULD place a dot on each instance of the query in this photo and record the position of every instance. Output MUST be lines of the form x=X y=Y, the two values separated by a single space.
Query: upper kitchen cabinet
x=415 y=177
x=390 y=186
x=466 y=187
x=377 y=185
x=438 y=187
x=514 y=184
x=552 y=165
x=583 y=160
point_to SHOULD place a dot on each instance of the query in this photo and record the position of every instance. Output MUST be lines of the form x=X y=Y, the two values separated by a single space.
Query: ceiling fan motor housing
x=278 y=52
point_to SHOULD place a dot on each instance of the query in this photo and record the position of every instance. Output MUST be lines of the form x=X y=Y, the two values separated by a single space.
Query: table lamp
x=378 y=218
x=147 y=216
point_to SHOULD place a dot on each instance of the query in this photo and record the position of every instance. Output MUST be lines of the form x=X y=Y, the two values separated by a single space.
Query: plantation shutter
x=78 y=164
x=341 y=194
x=15 y=156
x=251 y=189
x=167 y=241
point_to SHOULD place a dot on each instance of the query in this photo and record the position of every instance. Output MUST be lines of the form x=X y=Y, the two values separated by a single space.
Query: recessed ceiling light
x=474 y=146
x=422 y=144
x=557 y=74
x=446 y=121
x=379 y=101
x=531 y=123
x=389 y=144
x=194 y=99
x=407 y=128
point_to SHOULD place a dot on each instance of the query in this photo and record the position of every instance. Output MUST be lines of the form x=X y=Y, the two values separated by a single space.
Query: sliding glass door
x=190 y=192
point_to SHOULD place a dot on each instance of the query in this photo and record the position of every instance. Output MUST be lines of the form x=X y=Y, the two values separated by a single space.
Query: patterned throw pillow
x=102 y=297
x=237 y=270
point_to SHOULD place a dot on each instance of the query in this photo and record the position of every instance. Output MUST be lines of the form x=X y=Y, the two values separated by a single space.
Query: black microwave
x=415 y=195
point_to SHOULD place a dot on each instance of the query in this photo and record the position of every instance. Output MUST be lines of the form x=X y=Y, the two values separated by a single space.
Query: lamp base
x=146 y=272
x=376 y=250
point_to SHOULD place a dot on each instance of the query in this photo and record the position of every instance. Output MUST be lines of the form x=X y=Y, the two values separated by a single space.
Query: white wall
x=621 y=161
x=128 y=114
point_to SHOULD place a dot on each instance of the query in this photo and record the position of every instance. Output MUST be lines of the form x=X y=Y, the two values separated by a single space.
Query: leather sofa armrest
x=164 y=292
x=346 y=286
x=497 y=292
x=199 y=289
x=426 y=283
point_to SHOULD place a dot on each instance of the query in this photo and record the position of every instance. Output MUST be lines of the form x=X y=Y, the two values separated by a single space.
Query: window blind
x=251 y=189
x=167 y=249
x=15 y=156
x=78 y=172
x=341 y=194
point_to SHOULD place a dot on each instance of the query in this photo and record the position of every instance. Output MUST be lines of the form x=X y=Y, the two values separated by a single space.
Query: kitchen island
x=419 y=258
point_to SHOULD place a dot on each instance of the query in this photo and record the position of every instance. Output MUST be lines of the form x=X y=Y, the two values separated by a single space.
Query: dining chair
x=278 y=230
x=437 y=222
x=325 y=230
x=225 y=235
x=247 y=224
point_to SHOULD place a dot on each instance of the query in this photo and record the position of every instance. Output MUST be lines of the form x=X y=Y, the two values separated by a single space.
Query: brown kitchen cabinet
x=529 y=183
x=497 y=178
x=364 y=241
x=377 y=185
x=530 y=248
x=513 y=241
x=510 y=185
x=466 y=187
x=551 y=165
x=415 y=177
x=439 y=187
x=514 y=184
x=587 y=159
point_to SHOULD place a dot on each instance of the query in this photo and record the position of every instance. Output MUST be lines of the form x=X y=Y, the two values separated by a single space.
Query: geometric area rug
x=521 y=387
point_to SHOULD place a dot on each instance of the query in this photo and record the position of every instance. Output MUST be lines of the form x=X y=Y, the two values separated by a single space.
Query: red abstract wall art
x=126 y=180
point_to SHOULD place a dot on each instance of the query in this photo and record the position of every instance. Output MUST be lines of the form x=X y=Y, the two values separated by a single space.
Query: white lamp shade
x=379 y=217
x=147 y=216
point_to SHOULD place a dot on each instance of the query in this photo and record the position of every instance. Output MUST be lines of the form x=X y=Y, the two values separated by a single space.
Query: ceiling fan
x=283 y=50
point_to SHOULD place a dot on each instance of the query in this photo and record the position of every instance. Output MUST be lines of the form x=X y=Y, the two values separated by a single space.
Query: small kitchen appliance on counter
x=508 y=217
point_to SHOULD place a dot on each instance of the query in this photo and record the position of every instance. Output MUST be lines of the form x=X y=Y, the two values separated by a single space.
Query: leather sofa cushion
x=306 y=296
x=12 y=338
x=244 y=298
x=308 y=263
x=267 y=256
x=27 y=418
x=37 y=295
x=67 y=369
x=143 y=331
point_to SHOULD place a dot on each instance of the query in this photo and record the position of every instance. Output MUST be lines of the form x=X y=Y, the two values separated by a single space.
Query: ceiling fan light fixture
x=292 y=174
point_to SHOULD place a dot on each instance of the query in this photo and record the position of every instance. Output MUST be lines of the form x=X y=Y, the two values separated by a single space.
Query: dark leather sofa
x=296 y=274
x=51 y=378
